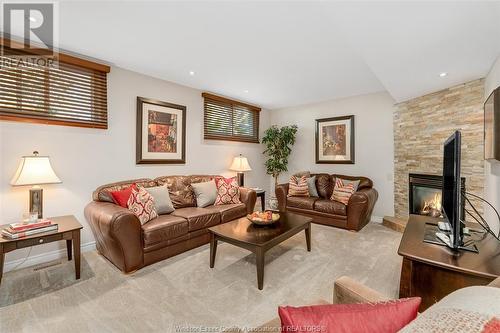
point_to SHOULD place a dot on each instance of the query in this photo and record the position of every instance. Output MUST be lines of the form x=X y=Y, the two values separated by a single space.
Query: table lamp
x=240 y=164
x=35 y=170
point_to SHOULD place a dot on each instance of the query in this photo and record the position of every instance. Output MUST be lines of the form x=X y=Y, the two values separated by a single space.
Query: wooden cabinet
x=431 y=271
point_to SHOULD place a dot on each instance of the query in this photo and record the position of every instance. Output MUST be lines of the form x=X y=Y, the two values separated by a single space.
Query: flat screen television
x=451 y=196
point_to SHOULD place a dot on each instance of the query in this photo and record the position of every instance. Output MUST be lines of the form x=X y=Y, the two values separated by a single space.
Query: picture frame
x=160 y=132
x=335 y=140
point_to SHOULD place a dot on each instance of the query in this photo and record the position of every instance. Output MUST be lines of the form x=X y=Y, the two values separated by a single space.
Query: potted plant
x=278 y=146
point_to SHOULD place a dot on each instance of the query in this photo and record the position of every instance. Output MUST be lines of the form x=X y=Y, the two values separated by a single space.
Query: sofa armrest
x=118 y=234
x=360 y=208
x=281 y=194
x=347 y=291
x=248 y=197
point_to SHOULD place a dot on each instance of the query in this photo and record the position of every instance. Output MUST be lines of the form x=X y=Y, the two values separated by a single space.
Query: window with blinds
x=226 y=119
x=74 y=94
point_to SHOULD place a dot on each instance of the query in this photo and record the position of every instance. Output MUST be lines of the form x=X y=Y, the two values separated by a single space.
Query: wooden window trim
x=246 y=139
x=98 y=117
x=63 y=57
x=230 y=101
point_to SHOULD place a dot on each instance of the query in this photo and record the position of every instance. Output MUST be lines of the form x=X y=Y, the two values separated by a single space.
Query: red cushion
x=383 y=317
x=121 y=197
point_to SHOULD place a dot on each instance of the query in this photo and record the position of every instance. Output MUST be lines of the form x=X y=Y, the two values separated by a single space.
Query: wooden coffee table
x=259 y=239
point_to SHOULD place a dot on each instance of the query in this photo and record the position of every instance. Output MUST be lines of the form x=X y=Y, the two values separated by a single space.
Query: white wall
x=492 y=168
x=374 y=143
x=86 y=158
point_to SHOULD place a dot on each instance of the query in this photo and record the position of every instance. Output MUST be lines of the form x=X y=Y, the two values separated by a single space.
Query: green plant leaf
x=278 y=144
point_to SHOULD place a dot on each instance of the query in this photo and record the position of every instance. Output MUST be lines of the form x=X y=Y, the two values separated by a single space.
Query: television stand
x=431 y=271
x=434 y=235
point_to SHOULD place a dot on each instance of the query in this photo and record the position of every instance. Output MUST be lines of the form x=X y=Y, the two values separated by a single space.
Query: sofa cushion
x=383 y=317
x=198 y=218
x=301 y=202
x=311 y=183
x=179 y=188
x=330 y=207
x=142 y=204
x=229 y=212
x=324 y=185
x=164 y=228
x=298 y=187
x=363 y=181
x=228 y=191
x=471 y=309
x=161 y=196
x=121 y=197
x=343 y=190
x=205 y=192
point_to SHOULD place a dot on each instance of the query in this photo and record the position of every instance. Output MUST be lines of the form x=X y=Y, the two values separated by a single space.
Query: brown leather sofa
x=129 y=246
x=322 y=210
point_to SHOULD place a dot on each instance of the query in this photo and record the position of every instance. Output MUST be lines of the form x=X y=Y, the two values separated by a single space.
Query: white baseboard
x=44 y=257
x=377 y=219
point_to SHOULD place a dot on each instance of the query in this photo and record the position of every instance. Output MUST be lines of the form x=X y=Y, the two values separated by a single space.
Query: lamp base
x=241 y=179
x=36 y=201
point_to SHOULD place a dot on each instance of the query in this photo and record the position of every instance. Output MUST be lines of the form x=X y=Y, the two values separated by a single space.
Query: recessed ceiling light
x=32 y=19
x=245 y=91
x=191 y=73
x=443 y=74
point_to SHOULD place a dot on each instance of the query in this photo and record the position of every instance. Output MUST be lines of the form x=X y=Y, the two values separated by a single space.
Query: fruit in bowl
x=266 y=217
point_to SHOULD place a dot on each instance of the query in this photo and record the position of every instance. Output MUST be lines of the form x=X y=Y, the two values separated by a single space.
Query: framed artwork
x=335 y=140
x=161 y=132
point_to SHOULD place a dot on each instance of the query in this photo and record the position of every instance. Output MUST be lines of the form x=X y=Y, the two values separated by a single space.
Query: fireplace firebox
x=425 y=194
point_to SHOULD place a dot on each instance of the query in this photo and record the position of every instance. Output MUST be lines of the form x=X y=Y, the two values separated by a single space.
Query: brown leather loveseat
x=130 y=246
x=322 y=210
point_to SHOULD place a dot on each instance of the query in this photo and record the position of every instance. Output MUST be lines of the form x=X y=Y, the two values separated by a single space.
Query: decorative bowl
x=263 y=218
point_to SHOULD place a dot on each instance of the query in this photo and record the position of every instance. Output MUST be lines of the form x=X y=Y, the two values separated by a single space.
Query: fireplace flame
x=432 y=207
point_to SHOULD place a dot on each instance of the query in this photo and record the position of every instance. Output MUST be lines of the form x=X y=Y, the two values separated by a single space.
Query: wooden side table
x=68 y=229
x=262 y=195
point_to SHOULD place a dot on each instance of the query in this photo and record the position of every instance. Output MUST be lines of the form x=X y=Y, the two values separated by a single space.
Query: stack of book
x=17 y=230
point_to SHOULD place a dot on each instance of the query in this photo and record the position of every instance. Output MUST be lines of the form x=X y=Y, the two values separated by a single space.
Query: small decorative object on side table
x=68 y=229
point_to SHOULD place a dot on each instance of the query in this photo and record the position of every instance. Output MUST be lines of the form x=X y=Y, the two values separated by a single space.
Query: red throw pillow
x=383 y=317
x=121 y=197
x=228 y=191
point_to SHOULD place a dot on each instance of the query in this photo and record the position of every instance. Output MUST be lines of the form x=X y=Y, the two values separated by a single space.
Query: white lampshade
x=240 y=164
x=34 y=170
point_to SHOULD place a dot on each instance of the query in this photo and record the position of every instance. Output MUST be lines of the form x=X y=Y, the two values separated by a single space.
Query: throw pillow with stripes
x=297 y=187
x=343 y=190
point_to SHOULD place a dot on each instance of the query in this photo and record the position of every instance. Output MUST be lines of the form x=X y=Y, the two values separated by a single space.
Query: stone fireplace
x=421 y=125
x=424 y=196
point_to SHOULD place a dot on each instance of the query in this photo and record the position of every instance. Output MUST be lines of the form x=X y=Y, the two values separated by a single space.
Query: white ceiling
x=290 y=53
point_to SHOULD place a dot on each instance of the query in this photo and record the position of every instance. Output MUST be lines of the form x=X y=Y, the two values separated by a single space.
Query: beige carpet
x=184 y=291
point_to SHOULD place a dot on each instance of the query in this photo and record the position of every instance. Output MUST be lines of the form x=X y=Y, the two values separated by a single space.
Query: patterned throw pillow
x=142 y=204
x=343 y=190
x=297 y=187
x=228 y=191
